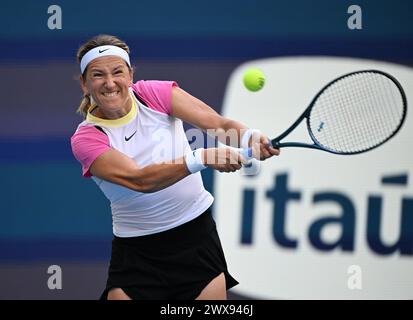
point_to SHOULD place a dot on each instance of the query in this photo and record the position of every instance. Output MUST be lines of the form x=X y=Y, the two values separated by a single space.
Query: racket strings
x=357 y=112
x=347 y=125
x=354 y=130
x=343 y=128
x=372 y=124
x=366 y=112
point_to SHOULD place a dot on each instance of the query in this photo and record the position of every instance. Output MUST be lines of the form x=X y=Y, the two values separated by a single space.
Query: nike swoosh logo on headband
x=100 y=51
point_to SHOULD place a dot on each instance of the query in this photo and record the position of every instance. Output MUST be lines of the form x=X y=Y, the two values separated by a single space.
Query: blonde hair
x=100 y=40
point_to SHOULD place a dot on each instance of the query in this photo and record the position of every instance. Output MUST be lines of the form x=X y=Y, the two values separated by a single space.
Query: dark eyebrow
x=96 y=70
x=117 y=67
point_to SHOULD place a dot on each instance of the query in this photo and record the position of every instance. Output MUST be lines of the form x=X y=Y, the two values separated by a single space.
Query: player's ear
x=131 y=73
x=82 y=81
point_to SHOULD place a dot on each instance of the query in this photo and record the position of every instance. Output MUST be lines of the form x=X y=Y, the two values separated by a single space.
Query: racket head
x=356 y=112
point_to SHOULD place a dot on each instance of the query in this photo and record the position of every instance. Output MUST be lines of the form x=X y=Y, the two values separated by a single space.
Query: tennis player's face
x=108 y=80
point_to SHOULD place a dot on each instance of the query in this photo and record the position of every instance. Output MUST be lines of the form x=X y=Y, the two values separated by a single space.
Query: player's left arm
x=194 y=111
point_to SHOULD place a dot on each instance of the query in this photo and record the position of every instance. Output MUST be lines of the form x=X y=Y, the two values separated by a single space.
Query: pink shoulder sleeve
x=88 y=143
x=157 y=95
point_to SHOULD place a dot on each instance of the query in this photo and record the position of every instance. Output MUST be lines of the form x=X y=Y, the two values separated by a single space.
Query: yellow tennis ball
x=254 y=79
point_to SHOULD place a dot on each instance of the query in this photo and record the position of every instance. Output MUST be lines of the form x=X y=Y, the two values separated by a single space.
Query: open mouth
x=111 y=94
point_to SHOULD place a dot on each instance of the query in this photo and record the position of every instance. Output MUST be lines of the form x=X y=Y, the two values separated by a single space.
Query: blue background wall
x=49 y=214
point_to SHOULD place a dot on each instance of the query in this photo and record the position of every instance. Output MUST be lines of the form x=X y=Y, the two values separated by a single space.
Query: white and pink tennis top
x=148 y=134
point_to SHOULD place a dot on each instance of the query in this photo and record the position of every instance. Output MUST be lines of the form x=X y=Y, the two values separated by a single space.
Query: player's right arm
x=118 y=168
x=91 y=147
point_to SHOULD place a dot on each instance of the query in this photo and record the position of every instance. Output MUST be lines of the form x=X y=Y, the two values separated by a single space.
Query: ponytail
x=84 y=105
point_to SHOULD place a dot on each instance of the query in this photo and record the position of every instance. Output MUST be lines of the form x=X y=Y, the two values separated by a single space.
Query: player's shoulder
x=87 y=131
x=153 y=85
x=148 y=82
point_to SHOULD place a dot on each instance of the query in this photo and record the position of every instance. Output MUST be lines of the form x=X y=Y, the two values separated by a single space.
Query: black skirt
x=175 y=264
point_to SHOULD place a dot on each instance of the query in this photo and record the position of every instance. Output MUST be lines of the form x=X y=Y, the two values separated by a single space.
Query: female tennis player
x=133 y=145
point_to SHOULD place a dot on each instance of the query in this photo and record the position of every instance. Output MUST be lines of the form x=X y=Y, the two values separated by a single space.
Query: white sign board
x=310 y=224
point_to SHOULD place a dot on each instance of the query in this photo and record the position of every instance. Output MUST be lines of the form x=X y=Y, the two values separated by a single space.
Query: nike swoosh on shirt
x=128 y=138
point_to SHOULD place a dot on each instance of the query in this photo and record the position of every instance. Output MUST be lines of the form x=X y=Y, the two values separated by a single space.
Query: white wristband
x=246 y=137
x=194 y=160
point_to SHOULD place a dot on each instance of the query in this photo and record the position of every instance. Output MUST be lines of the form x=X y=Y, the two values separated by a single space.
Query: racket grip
x=246 y=153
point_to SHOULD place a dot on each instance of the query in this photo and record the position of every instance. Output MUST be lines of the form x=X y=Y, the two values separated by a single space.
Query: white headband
x=101 y=52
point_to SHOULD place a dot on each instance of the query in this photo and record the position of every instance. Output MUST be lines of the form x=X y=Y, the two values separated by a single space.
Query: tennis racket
x=354 y=113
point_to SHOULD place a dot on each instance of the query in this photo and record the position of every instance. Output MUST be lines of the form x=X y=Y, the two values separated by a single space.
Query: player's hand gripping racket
x=354 y=113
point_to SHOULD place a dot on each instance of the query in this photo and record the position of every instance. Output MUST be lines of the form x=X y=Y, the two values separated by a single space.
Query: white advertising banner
x=311 y=224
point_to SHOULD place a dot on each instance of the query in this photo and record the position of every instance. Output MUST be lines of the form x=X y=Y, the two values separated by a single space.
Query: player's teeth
x=111 y=94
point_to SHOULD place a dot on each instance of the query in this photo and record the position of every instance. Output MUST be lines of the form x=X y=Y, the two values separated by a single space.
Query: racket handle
x=246 y=153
